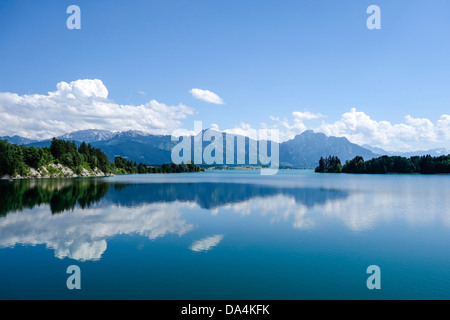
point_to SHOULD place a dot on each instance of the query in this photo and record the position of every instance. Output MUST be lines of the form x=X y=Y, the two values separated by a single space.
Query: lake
x=228 y=235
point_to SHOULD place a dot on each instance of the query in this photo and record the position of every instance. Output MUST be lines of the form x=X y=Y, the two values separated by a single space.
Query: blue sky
x=265 y=59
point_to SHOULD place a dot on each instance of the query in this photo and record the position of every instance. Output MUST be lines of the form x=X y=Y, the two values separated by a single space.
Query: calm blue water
x=227 y=235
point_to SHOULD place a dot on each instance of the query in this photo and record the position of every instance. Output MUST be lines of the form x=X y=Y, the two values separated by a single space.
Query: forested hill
x=385 y=164
x=65 y=159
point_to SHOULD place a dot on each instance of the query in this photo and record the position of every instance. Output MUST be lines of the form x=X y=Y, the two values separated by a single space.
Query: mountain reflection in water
x=76 y=217
x=65 y=194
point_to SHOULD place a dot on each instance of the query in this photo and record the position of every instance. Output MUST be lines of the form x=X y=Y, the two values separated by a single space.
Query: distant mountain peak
x=89 y=135
x=306 y=149
x=132 y=133
x=309 y=134
x=17 y=139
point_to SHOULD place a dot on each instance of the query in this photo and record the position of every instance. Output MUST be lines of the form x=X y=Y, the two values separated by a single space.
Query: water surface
x=226 y=235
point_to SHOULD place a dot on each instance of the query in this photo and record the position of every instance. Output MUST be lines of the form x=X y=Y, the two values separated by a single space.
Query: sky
x=236 y=65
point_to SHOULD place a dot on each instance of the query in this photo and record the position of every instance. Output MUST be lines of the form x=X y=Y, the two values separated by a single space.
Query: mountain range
x=303 y=151
x=436 y=152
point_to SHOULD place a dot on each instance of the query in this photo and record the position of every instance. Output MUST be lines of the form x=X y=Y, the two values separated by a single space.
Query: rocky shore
x=56 y=171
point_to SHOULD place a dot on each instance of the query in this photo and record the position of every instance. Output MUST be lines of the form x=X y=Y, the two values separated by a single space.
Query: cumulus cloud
x=243 y=129
x=444 y=127
x=359 y=128
x=80 y=105
x=289 y=128
x=264 y=132
x=206 y=95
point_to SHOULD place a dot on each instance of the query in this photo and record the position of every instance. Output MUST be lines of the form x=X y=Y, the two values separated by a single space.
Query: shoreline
x=55 y=171
x=15 y=178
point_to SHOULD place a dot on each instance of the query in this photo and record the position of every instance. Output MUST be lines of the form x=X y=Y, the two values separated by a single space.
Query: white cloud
x=80 y=105
x=289 y=130
x=359 y=128
x=244 y=129
x=206 y=95
x=82 y=88
x=286 y=130
x=443 y=125
x=306 y=115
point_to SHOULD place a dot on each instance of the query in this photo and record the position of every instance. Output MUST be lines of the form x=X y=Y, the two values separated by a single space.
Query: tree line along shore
x=66 y=159
x=387 y=164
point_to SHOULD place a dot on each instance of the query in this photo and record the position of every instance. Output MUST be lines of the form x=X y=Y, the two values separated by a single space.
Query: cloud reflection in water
x=206 y=244
x=76 y=219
